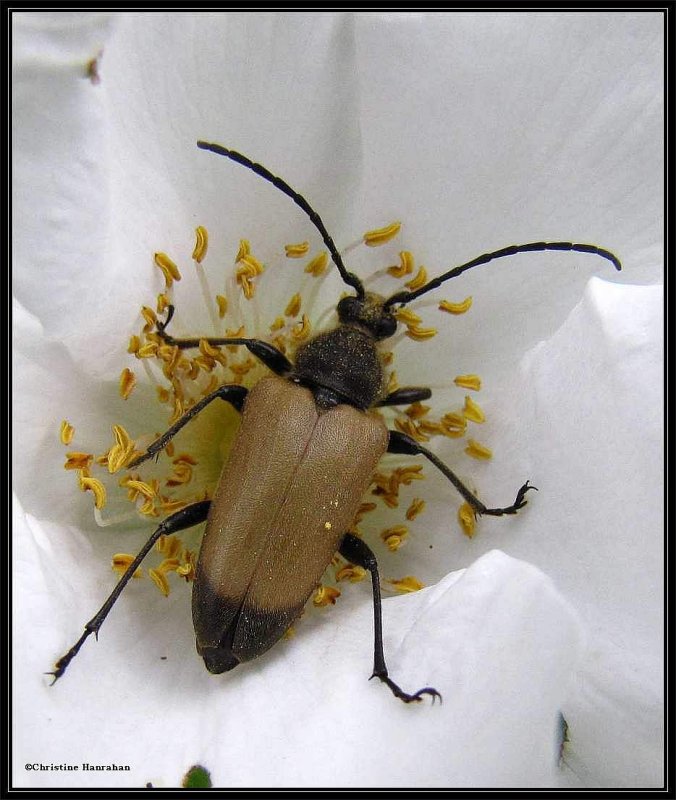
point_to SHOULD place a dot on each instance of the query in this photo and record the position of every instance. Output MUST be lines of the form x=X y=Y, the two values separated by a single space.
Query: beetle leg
x=405 y=396
x=401 y=443
x=232 y=393
x=185 y=518
x=353 y=549
x=273 y=358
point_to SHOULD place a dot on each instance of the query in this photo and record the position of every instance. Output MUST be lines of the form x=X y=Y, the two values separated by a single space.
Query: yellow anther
x=201 y=244
x=468 y=382
x=456 y=308
x=362 y=511
x=380 y=236
x=121 y=563
x=169 y=565
x=95 y=486
x=169 y=353
x=127 y=383
x=420 y=334
x=140 y=487
x=431 y=428
x=418 y=281
x=186 y=571
x=181 y=475
x=278 y=324
x=467 y=520
x=406 y=265
x=169 y=269
x=160 y=580
x=149 y=509
x=205 y=363
x=417 y=507
x=251 y=264
x=350 y=572
x=392 y=382
x=417 y=410
x=318 y=264
x=325 y=595
x=210 y=351
x=394 y=537
x=222 y=303
x=134 y=344
x=244 y=367
x=407 y=584
x=301 y=330
x=454 y=425
x=293 y=306
x=66 y=432
x=244 y=249
x=478 y=450
x=406 y=426
x=405 y=475
x=169 y=545
x=150 y=317
x=247 y=287
x=387 y=357
x=169 y=506
x=148 y=350
x=78 y=461
x=162 y=303
x=122 y=451
x=407 y=316
x=472 y=411
x=185 y=458
x=296 y=250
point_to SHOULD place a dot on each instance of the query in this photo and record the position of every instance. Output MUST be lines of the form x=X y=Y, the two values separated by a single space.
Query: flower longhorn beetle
x=304 y=456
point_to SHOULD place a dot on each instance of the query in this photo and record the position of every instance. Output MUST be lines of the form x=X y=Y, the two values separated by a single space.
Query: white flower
x=478 y=131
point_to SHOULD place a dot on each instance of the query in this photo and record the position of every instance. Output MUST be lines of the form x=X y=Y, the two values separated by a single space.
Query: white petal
x=373 y=117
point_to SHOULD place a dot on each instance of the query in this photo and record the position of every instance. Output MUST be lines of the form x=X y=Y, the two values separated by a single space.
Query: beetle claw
x=404 y=696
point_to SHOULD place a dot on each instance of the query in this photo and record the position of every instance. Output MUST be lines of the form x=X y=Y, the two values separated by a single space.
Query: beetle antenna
x=348 y=277
x=402 y=298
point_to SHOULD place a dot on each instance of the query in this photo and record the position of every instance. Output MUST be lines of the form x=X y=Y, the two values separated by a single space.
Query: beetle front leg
x=353 y=549
x=231 y=393
x=401 y=443
x=185 y=518
x=273 y=358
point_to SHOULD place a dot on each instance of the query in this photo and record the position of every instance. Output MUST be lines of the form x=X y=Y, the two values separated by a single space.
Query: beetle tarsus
x=404 y=696
x=519 y=503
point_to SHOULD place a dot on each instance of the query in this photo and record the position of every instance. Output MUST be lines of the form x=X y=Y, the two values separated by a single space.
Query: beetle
x=303 y=457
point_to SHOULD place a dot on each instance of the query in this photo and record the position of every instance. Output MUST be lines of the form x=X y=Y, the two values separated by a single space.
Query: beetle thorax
x=344 y=360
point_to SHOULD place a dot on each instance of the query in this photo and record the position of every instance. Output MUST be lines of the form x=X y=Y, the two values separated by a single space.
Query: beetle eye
x=349 y=309
x=387 y=326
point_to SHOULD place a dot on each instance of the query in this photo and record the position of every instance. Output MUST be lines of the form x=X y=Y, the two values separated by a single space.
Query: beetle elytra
x=305 y=453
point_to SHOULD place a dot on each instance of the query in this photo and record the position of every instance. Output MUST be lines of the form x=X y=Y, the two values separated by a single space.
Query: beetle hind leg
x=354 y=549
x=180 y=520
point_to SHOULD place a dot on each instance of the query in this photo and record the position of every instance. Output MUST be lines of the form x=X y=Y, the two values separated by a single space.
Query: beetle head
x=368 y=312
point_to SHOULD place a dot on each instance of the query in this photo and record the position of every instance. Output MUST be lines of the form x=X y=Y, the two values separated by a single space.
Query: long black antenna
x=350 y=278
x=405 y=297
